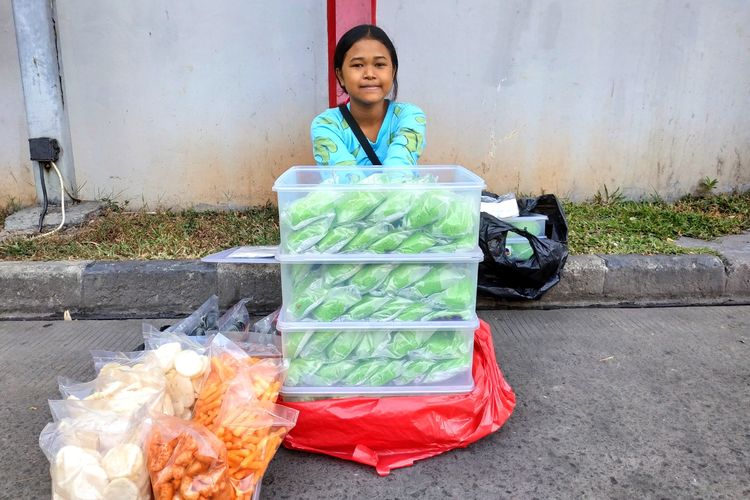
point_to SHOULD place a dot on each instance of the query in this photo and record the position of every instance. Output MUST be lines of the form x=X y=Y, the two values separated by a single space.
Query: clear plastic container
x=377 y=359
x=534 y=224
x=518 y=248
x=410 y=289
x=378 y=210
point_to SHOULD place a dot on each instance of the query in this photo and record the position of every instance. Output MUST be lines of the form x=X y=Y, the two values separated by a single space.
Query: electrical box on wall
x=44 y=149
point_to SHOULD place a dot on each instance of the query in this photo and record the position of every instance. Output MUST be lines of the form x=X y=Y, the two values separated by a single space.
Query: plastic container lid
x=460 y=384
x=283 y=325
x=309 y=178
x=474 y=255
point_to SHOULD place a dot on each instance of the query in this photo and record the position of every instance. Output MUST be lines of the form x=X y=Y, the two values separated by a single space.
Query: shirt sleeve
x=408 y=141
x=329 y=148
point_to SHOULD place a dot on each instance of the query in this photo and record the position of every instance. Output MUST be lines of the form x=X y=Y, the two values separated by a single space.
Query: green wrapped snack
x=365 y=308
x=372 y=344
x=313 y=281
x=367 y=237
x=458 y=221
x=343 y=345
x=390 y=310
x=446 y=344
x=414 y=312
x=417 y=243
x=357 y=205
x=445 y=315
x=299 y=272
x=337 y=238
x=306 y=302
x=336 y=303
x=294 y=342
x=461 y=245
x=437 y=280
x=331 y=373
x=386 y=374
x=404 y=275
x=447 y=369
x=371 y=276
x=427 y=207
x=315 y=347
x=389 y=242
x=300 y=370
x=308 y=209
x=395 y=207
x=333 y=274
x=363 y=371
x=457 y=296
x=305 y=238
x=404 y=342
x=412 y=372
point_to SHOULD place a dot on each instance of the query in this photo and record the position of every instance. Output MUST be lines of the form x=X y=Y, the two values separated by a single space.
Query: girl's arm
x=408 y=142
x=329 y=148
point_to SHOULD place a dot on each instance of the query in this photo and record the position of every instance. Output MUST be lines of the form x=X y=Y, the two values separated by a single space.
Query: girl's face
x=367 y=72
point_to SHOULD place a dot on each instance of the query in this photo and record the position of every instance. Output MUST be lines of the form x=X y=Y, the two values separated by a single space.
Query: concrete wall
x=565 y=96
x=16 y=176
x=191 y=102
x=179 y=103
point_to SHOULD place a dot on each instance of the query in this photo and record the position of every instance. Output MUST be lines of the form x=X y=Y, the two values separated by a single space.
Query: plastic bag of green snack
x=417 y=243
x=389 y=242
x=404 y=342
x=386 y=373
x=305 y=238
x=305 y=302
x=331 y=373
x=315 y=347
x=313 y=281
x=427 y=207
x=336 y=303
x=444 y=345
x=365 y=308
x=310 y=208
x=413 y=371
x=447 y=369
x=458 y=221
x=437 y=280
x=395 y=207
x=337 y=238
x=363 y=371
x=343 y=345
x=367 y=237
x=414 y=312
x=294 y=342
x=457 y=296
x=357 y=205
x=300 y=370
x=371 y=276
x=333 y=274
x=373 y=344
x=391 y=309
x=464 y=244
x=404 y=275
x=299 y=272
x=446 y=315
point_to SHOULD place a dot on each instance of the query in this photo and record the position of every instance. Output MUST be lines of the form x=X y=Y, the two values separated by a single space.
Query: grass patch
x=608 y=225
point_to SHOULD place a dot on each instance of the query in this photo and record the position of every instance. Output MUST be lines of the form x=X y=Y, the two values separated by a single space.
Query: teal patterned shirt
x=400 y=140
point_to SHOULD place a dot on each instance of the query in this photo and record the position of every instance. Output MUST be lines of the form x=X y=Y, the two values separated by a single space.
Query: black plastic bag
x=502 y=277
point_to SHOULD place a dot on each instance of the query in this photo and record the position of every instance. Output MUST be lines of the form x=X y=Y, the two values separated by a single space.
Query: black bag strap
x=363 y=141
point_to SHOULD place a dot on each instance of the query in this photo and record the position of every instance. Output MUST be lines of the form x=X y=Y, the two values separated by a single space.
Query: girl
x=366 y=65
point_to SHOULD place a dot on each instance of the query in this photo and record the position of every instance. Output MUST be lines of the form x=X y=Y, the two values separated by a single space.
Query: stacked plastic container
x=378 y=275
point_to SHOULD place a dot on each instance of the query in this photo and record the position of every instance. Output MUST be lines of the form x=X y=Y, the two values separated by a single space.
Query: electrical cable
x=62 y=203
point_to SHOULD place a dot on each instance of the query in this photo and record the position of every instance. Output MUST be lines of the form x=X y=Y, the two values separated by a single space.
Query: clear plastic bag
x=337 y=301
x=337 y=238
x=201 y=320
x=307 y=237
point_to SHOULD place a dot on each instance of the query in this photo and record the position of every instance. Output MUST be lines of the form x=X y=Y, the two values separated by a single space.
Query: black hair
x=364 y=31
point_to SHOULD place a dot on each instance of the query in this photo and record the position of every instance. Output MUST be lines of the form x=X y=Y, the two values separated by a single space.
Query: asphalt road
x=611 y=403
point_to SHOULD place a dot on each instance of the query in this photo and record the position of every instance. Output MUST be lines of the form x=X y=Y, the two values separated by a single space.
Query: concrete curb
x=128 y=289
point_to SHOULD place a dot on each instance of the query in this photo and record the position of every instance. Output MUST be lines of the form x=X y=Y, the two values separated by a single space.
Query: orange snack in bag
x=186 y=461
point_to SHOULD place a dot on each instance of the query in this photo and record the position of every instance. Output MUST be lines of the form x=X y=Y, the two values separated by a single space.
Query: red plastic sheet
x=392 y=432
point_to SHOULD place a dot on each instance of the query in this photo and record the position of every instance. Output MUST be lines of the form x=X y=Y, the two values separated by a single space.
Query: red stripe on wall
x=342 y=15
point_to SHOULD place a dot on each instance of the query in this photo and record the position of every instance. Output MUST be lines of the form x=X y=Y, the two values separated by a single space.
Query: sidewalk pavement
x=611 y=403
x=131 y=289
